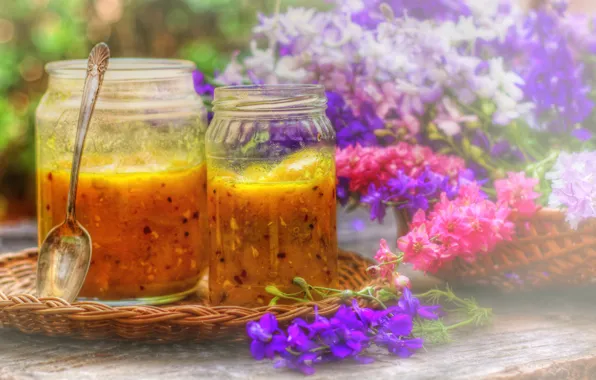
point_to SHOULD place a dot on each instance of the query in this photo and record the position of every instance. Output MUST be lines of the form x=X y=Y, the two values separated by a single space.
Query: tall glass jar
x=271 y=192
x=142 y=184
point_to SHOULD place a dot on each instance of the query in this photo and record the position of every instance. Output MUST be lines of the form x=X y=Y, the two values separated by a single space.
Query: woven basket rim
x=548 y=254
x=55 y=316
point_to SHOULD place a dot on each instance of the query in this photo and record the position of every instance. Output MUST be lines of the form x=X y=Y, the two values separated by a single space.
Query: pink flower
x=418 y=219
x=419 y=250
x=464 y=227
x=387 y=260
x=449 y=119
x=451 y=226
x=518 y=192
x=470 y=193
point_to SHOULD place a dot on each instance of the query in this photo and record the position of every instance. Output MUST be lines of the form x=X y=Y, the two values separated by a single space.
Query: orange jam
x=268 y=226
x=147 y=228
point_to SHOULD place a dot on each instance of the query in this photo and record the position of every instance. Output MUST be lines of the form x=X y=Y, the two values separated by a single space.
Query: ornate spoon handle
x=96 y=68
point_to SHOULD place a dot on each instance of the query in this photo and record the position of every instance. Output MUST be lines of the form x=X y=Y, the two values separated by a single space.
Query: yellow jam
x=148 y=229
x=269 y=225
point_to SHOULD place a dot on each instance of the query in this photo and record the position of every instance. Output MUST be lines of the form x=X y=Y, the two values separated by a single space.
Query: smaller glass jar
x=271 y=192
x=141 y=192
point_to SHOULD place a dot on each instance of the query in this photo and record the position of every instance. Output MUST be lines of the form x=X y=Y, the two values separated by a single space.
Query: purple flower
x=582 y=134
x=554 y=79
x=347 y=334
x=201 y=86
x=396 y=345
x=480 y=139
x=503 y=150
x=416 y=192
x=375 y=198
x=411 y=306
x=343 y=190
x=371 y=16
x=267 y=339
x=350 y=129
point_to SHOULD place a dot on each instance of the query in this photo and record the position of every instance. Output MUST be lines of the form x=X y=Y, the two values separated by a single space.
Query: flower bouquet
x=474 y=120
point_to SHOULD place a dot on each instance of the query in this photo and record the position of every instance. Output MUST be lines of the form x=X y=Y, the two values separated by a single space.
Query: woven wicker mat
x=188 y=320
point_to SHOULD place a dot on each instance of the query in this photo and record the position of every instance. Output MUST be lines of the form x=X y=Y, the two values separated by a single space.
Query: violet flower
x=267 y=339
x=347 y=334
x=375 y=198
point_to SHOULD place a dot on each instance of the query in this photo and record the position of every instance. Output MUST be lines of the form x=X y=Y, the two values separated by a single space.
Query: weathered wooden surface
x=534 y=336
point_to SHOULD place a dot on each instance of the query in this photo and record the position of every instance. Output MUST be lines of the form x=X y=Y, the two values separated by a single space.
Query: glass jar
x=271 y=192
x=141 y=192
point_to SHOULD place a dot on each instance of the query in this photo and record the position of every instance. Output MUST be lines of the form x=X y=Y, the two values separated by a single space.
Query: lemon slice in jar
x=303 y=165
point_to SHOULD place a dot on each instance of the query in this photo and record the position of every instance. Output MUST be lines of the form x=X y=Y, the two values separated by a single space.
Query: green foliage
x=466 y=310
x=35 y=32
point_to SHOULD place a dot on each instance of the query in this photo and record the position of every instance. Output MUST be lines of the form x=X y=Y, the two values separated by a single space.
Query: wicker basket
x=188 y=320
x=546 y=252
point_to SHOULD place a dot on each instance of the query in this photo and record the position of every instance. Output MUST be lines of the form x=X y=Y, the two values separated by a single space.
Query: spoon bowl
x=62 y=267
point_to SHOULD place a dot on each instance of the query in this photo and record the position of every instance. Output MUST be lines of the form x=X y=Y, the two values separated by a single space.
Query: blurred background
x=34 y=32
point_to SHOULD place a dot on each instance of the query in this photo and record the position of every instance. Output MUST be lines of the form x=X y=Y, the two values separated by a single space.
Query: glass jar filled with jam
x=270 y=192
x=142 y=184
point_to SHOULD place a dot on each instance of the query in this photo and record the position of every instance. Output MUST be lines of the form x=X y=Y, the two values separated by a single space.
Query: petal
x=400 y=325
x=428 y=312
x=257 y=349
x=340 y=350
x=268 y=322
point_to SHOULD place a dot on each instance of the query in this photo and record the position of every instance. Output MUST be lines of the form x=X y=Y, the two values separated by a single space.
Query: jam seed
x=315 y=188
x=184 y=220
x=50 y=177
x=170 y=199
x=48 y=207
x=243 y=274
x=238 y=280
x=222 y=260
x=142 y=287
x=146 y=230
x=281 y=255
x=311 y=226
x=195 y=215
x=319 y=256
x=186 y=233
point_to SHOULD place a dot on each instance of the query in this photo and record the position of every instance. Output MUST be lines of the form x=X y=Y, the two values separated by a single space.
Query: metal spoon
x=65 y=255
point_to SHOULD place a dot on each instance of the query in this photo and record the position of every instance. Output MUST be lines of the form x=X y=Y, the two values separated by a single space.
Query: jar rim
x=123 y=68
x=269 y=97
x=273 y=88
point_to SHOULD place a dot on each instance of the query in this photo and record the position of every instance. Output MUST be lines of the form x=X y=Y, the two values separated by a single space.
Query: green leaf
x=383 y=133
x=433 y=132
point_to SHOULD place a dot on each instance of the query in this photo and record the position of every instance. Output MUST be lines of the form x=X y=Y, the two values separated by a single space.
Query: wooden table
x=548 y=335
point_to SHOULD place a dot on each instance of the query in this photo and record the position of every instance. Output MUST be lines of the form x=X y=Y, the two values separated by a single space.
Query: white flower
x=573 y=184
x=288 y=69
x=283 y=28
x=233 y=73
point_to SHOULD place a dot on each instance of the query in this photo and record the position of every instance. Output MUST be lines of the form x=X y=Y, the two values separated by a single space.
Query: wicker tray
x=188 y=320
x=547 y=252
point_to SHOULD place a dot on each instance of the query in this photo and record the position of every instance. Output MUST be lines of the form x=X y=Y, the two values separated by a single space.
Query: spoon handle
x=96 y=68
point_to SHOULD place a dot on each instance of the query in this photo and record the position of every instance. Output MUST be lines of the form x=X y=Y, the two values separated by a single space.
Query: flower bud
x=373 y=271
x=400 y=281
